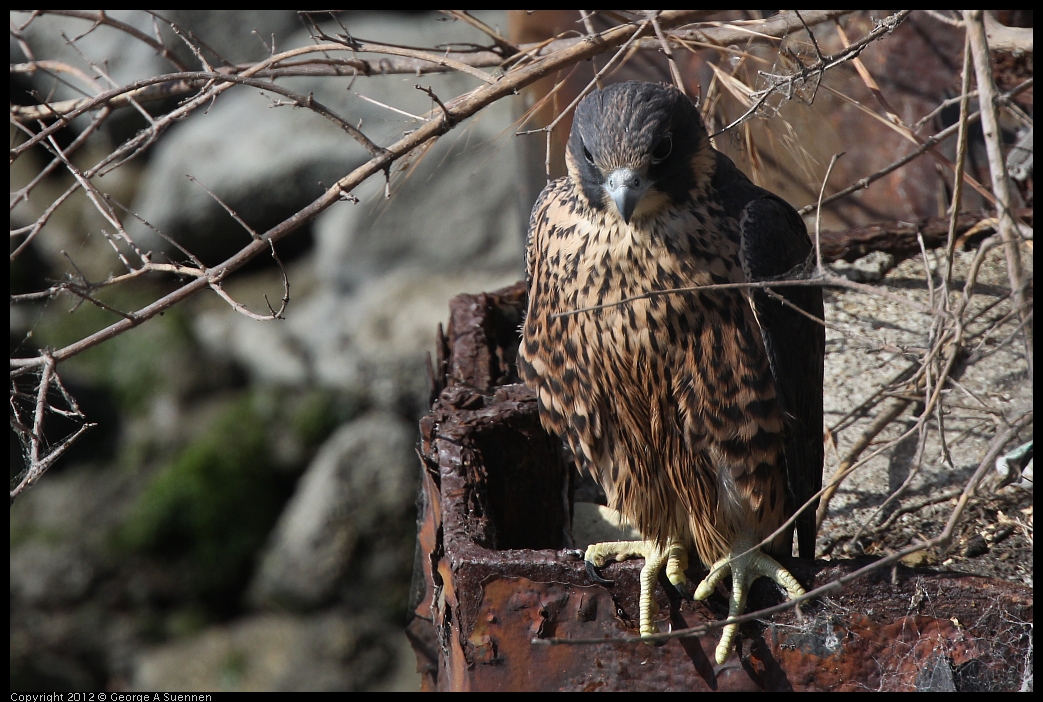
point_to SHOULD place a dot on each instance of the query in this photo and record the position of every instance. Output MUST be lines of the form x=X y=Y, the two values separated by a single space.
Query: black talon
x=592 y=572
x=682 y=590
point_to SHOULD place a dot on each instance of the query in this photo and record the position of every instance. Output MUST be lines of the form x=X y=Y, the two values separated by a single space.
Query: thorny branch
x=959 y=324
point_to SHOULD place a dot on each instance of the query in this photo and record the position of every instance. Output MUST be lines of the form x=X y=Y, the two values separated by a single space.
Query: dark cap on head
x=636 y=136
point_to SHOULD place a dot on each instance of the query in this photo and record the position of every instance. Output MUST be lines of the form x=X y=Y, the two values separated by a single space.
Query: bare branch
x=961 y=159
x=458 y=109
x=928 y=144
x=446 y=117
x=819 y=268
x=33 y=439
x=777 y=83
x=998 y=169
x=102 y=18
x=815 y=281
x=171 y=85
x=507 y=49
x=675 y=72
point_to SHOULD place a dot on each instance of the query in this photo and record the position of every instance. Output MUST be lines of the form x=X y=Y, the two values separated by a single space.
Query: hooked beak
x=626 y=187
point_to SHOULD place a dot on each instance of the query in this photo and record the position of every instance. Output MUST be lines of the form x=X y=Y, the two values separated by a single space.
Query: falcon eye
x=586 y=155
x=662 y=149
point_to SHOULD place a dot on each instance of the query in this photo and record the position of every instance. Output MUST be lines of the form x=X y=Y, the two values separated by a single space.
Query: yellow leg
x=744 y=570
x=672 y=556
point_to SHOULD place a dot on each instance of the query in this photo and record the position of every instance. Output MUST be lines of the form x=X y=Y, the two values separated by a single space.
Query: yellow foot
x=673 y=556
x=744 y=570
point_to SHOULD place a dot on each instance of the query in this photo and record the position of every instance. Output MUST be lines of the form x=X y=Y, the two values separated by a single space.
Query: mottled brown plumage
x=699 y=413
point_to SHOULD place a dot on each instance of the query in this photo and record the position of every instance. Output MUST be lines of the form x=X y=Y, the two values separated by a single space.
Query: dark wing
x=535 y=362
x=537 y=221
x=775 y=243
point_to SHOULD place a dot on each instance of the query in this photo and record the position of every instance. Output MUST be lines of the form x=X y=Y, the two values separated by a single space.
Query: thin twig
x=815 y=281
x=239 y=220
x=102 y=18
x=447 y=118
x=927 y=145
x=675 y=72
x=961 y=159
x=37 y=464
x=820 y=270
x=507 y=48
x=372 y=47
x=389 y=107
x=998 y=169
x=848 y=465
x=594 y=82
x=778 y=83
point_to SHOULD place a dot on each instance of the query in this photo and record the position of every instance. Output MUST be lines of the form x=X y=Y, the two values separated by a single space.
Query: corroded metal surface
x=494 y=573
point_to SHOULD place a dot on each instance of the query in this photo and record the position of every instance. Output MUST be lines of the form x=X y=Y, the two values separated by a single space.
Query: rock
x=1015 y=467
x=385 y=268
x=126 y=59
x=360 y=484
x=270 y=652
x=456 y=209
x=268 y=355
x=868 y=269
x=370 y=341
x=45 y=574
x=268 y=163
x=936 y=676
x=59 y=535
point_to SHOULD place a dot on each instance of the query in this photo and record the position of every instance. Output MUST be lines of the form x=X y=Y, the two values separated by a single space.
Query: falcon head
x=636 y=147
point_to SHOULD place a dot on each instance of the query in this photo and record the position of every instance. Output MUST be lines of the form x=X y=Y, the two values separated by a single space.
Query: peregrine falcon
x=699 y=413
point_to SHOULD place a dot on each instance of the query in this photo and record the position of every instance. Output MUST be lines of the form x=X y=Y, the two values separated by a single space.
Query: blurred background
x=242 y=516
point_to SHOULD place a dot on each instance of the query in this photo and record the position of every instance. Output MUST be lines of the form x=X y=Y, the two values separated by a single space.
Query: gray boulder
x=359 y=488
